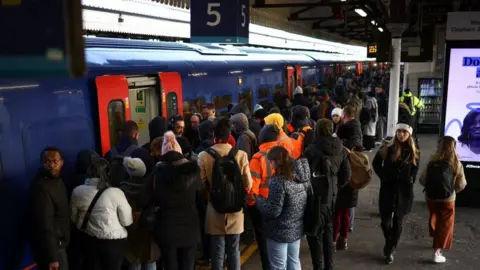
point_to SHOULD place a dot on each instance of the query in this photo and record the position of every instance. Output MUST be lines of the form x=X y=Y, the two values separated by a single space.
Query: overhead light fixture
x=360 y=12
x=380 y=29
x=373 y=22
x=343 y=0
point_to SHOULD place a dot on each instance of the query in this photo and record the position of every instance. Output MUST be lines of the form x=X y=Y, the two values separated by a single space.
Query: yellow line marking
x=248 y=253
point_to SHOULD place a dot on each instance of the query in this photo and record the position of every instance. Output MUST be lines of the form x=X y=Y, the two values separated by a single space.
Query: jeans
x=284 y=256
x=258 y=224
x=178 y=258
x=104 y=254
x=152 y=266
x=341 y=223
x=352 y=218
x=392 y=226
x=381 y=128
x=225 y=244
x=321 y=247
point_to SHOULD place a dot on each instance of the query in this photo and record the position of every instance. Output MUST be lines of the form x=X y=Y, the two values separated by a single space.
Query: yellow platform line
x=248 y=253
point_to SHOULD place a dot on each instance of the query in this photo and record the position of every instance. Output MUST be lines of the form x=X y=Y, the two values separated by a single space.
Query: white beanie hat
x=298 y=90
x=134 y=167
x=404 y=126
x=337 y=111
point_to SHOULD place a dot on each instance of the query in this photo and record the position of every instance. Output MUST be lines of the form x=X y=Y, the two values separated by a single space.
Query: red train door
x=298 y=75
x=171 y=94
x=290 y=80
x=113 y=108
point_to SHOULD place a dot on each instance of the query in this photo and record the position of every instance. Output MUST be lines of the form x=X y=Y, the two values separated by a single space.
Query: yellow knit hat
x=274 y=119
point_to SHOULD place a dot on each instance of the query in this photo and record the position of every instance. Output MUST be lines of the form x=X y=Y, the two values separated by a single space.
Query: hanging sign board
x=463 y=26
x=219 y=21
x=372 y=50
x=41 y=38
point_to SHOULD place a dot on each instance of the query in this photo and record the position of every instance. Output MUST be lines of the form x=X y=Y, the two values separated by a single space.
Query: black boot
x=389 y=257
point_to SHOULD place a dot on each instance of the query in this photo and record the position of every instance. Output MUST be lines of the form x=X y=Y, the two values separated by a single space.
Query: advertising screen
x=462 y=116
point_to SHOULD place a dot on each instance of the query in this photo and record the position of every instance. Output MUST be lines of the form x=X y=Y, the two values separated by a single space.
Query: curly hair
x=468 y=121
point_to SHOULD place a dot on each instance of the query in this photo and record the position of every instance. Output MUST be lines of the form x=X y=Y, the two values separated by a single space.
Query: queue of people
x=150 y=207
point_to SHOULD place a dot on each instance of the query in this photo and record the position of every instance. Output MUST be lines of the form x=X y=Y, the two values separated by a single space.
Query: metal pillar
x=405 y=75
x=393 y=97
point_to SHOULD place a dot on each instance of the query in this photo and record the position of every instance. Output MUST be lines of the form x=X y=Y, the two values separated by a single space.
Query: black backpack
x=226 y=192
x=319 y=195
x=118 y=173
x=440 y=183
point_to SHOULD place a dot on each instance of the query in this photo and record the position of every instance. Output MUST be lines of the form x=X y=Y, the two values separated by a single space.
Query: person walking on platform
x=262 y=172
x=282 y=140
x=225 y=219
x=415 y=105
x=49 y=214
x=443 y=179
x=330 y=171
x=284 y=209
x=396 y=164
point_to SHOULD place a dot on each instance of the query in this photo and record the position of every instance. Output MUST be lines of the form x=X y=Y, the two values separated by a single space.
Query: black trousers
x=392 y=227
x=175 y=258
x=368 y=142
x=257 y=221
x=103 y=254
x=321 y=247
x=62 y=261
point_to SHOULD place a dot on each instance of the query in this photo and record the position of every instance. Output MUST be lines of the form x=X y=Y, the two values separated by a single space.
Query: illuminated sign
x=372 y=50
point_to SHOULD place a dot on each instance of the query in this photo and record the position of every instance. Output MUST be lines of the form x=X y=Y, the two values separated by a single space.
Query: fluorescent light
x=360 y=12
x=373 y=22
x=380 y=29
x=343 y=0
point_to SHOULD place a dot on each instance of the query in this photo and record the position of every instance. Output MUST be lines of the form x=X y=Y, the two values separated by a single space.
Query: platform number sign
x=372 y=50
x=219 y=21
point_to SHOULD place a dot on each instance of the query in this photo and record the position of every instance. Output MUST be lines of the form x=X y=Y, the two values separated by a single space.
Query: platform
x=414 y=250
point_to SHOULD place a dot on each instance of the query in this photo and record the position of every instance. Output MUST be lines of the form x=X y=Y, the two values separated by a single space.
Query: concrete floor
x=414 y=250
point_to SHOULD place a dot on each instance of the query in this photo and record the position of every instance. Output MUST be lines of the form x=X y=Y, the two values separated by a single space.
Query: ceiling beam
x=312 y=18
x=296 y=13
x=308 y=5
x=316 y=25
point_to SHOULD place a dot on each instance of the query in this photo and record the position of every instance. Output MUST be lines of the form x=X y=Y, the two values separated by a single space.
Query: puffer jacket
x=285 y=206
x=246 y=141
x=109 y=217
x=351 y=134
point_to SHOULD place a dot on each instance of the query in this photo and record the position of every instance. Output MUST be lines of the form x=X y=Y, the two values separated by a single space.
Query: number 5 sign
x=219 y=21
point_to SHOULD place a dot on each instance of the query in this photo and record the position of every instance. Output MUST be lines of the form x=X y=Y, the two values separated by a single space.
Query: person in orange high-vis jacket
x=261 y=172
x=283 y=139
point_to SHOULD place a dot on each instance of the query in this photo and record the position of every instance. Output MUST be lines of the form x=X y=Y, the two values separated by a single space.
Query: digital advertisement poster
x=462 y=118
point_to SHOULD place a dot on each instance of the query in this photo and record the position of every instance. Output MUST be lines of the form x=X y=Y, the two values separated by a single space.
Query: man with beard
x=49 y=213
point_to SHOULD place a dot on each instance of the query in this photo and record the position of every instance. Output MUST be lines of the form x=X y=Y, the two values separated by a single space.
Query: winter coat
x=404 y=115
x=246 y=140
x=49 y=218
x=333 y=149
x=193 y=137
x=357 y=103
x=351 y=134
x=242 y=107
x=84 y=158
x=370 y=128
x=300 y=100
x=110 y=215
x=178 y=190
x=382 y=102
x=216 y=223
x=156 y=128
x=397 y=179
x=125 y=143
x=205 y=132
x=286 y=203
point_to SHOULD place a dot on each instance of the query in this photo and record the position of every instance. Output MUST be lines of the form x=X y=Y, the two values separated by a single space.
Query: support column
x=405 y=75
x=393 y=97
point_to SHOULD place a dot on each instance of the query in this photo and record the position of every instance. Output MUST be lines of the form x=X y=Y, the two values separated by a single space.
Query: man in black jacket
x=49 y=213
x=351 y=130
x=331 y=148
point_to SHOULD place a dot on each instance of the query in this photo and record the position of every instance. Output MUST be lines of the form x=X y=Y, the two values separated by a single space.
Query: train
x=128 y=79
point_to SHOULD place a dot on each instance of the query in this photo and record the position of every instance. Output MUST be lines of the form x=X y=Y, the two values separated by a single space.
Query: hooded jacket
x=246 y=141
x=252 y=124
x=351 y=134
x=286 y=204
x=84 y=158
x=300 y=100
x=49 y=218
x=283 y=140
x=178 y=193
x=332 y=148
x=205 y=132
x=156 y=128
x=125 y=147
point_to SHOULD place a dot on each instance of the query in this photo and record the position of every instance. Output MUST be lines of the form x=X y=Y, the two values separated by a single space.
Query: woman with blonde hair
x=396 y=164
x=442 y=179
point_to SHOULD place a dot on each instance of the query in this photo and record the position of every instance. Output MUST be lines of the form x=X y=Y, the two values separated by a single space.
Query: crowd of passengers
x=166 y=204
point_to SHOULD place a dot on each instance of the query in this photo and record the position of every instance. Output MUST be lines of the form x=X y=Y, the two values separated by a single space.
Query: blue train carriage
x=126 y=80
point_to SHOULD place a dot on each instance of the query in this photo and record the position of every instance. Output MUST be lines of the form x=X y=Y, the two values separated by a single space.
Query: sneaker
x=350 y=229
x=389 y=259
x=368 y=151
x=378 y=143
x=439 y=258
x=342 y=244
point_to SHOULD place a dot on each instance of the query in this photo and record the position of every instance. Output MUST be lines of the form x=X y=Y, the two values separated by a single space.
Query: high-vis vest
x=285 y=141
x=298 y=140
x=261 y=172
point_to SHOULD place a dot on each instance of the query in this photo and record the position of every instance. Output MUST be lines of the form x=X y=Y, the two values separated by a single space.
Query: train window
x=172 y=104
x=278 y=92
x=246 y=96
x=221 y=102
x=263 y=92
x=192 y=106
x=116 y=118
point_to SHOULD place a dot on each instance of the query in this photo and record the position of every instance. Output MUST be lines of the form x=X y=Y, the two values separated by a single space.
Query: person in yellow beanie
x=282 y=140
